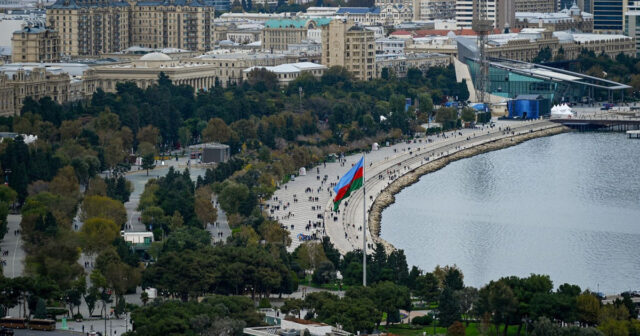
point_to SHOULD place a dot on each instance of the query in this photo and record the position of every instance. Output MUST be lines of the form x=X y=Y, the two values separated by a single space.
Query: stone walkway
x=219 y=230
x=304 y=205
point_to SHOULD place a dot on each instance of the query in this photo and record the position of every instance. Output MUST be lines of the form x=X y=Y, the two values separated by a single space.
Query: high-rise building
x=536 y=6
x=35 y=44
x=94 y=27
x=352 y=47
x=501 y=12
x=632 y=23
x=434 y=9
x=608 y=15
x=383 y=3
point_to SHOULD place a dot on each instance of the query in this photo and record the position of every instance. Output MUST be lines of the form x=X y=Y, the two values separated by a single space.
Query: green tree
x=390 y=298
x=205 y=212
x=98 y=233
x=428 y=288
x=425 y=104
x=293 y=306
x=448 y=308
x=148 y=162
x=468 y=114
x=217 y=130
x=588 y=307
x=103 y=207
x=41 y=309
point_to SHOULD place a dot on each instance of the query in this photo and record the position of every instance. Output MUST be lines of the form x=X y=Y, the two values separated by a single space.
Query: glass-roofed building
x=510 y=78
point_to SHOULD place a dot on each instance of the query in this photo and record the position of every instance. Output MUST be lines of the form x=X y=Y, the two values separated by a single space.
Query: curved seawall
x=386 y=196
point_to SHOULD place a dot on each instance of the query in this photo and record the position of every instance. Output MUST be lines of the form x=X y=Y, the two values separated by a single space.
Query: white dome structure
x=155 y=56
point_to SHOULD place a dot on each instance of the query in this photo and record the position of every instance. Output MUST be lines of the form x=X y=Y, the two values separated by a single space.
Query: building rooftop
x=209 y=145
x=32 y=30
x=73 y=69
x=75 y=4
x=239 y=55
x=358 y=10
x=554 y=74
x=585 y=37
x=295 y=23
x=155 y=56
x=534 y=17
x=289 y=67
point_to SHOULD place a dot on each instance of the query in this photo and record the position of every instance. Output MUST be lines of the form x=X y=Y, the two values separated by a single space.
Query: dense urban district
x=67 y=189
x=160 y=159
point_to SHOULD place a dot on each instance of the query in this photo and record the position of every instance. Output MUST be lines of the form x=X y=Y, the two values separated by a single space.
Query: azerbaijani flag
x=350 y=182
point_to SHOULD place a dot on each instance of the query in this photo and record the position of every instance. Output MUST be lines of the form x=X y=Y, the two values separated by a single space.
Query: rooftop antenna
x=482 y=26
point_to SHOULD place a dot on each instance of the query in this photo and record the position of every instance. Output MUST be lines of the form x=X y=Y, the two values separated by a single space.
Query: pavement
x=304 y=205
x=219 y=230
x=12 y=245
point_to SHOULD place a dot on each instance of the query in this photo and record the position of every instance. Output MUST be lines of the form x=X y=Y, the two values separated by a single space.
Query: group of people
x=4 y=254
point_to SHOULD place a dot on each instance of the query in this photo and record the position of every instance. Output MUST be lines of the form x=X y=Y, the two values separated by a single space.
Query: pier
x=633 y=134
x=608 y=122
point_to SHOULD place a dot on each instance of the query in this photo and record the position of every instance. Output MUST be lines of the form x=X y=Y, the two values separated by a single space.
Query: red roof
x=402 y=32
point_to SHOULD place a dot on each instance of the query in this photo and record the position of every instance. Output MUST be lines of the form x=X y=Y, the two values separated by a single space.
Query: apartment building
x=536 y=6
x=18 y=81
x=94 y=27
x=434 y=9
x=632 y=23
x=383 y=3
x=525 y=45
x=501 y=12
x=344 y=44
x=35 y=44
x=278 y=34
x=399 y=65
x=566 y=19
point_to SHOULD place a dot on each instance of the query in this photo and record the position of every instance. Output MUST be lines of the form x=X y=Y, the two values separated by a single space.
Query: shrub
x=264 y=303
x=422 y=320
x=456 y=329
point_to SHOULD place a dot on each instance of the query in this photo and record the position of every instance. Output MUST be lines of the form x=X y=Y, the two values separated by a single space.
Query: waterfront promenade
x=305 y=206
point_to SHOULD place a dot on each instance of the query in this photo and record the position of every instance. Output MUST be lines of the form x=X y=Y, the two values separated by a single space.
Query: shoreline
x=387 y=196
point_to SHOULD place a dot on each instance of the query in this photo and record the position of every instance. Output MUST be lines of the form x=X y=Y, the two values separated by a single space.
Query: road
x=12 y=245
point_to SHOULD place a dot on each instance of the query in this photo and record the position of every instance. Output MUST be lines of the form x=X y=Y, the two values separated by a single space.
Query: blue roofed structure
x=358 y=10
x=297 y=23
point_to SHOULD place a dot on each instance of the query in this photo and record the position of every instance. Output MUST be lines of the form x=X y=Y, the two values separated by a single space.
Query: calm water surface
x=566 y=205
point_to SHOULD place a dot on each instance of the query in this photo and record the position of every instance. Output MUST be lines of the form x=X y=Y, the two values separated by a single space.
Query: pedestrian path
x=11 y=253
x=304 y=205
x=219 y=230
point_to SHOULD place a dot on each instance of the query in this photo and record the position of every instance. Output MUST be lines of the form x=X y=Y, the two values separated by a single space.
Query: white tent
x=562 y=111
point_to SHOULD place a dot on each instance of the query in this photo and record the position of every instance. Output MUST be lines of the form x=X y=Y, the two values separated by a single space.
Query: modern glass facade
x=608 y=14
x=508 y=84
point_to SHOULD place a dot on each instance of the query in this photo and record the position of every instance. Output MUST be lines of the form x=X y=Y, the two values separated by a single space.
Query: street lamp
x=6 y=176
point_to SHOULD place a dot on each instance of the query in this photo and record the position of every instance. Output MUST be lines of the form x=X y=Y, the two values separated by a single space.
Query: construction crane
x=482 y=26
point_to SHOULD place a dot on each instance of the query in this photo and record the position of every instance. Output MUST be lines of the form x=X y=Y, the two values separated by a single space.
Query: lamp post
x=6 y=176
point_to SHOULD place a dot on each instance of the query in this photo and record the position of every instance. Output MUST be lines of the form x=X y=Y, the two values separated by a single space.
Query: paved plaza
x=304 y=205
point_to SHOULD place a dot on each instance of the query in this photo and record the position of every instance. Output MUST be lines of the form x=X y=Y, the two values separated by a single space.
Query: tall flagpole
x=364 y=224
